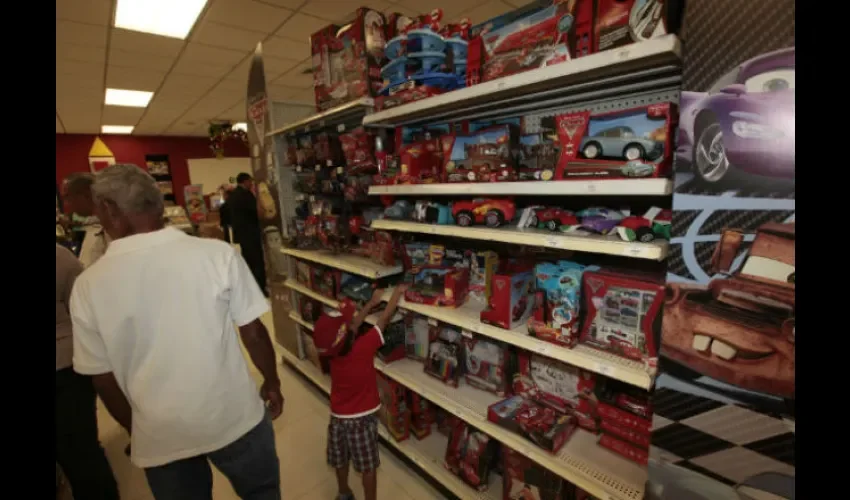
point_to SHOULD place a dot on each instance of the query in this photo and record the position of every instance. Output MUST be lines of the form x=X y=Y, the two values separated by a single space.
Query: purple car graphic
x=744 y=123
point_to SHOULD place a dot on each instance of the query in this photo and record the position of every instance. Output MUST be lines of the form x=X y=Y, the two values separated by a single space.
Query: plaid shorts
x=354 y=439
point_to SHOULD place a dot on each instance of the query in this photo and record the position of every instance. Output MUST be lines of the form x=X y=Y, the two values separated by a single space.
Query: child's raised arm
x=374 y=302
x=392 y=305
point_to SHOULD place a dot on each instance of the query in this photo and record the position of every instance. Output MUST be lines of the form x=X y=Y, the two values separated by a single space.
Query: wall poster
x=724 y=424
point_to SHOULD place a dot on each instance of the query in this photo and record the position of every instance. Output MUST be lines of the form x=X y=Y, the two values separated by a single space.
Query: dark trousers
x=250 y=463
x=252 y=252
x=78 y=450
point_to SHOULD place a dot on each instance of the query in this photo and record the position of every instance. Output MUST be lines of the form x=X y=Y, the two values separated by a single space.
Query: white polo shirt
x=158 y=310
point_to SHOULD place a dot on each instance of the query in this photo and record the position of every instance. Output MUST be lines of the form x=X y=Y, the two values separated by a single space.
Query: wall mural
x=724 y=401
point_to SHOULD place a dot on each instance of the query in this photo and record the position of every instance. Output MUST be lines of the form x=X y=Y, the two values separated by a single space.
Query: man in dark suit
x=245 y=222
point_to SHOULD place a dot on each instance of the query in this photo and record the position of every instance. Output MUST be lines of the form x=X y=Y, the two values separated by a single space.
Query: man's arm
x=114 y=399
x=258 y=343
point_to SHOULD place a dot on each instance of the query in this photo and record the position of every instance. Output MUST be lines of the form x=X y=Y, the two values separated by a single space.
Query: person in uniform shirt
x=353 y=429
x=154 y=326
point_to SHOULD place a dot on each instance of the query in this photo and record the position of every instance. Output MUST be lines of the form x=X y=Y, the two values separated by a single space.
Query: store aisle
x=300 y=436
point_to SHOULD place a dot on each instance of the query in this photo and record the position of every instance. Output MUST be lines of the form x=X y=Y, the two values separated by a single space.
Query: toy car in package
x=445 y=354
x=550 y=382
x=524 y=479
x=470 y=455
x=416 y=337
x=394 y=338
x=486 y=364
x=555 y=316
x=438 y=286
x=356 y=288
x=421 y=415
x=548 y=428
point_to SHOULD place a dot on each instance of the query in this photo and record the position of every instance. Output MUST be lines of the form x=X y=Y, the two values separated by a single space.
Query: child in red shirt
x=353 y=430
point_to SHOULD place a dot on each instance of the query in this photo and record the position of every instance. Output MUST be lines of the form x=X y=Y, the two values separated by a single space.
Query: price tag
x=591 y=187
x=541 y=349
x=340 y=127
x=466 y=333
x=552 y=242
x=339 y=170
x=330 y=163
x=603 y=369
x=298 y=168
x=501 y=85
x=433 y=322
x=634 y=251
x=318 y=168
x=623 y=54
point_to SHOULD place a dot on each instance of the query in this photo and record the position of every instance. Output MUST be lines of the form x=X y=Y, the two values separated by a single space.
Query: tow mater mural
x=740 y=327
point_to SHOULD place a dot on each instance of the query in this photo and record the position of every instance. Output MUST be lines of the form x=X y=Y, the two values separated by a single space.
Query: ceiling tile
x=127 y=59
x=247 y=15
x=219 y=35
x=81 y=53
x=296 y=78
x=184 y=67
x=91 y=80
x=236 y=113
x=339 y=10
x=118 y=77
x=274 y=67
x=84 y=11
x=289 y=4
x=485 y=11
x=80 y=34
x=240 y=72
x=149 y=129
x=305 y=96
x=60 y=129
x=71 y=92
x=300 y=27
x=282 y=92
x=121 y=115
x=214 y=55
x=134 y=41
x=162 y=115
x=184 y=86
x=285 y=48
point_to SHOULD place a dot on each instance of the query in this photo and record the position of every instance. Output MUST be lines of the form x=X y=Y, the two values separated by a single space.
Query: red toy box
x=510 y=300
x=438 y=286
x=546 y=427
x=309 y=308
x=634 y=143
x=347 y=59
x=557 y=33
x=622 y=22
x=486 y=364
x=471 y=455
x=326 y=281
x=633 y=453
x=526 y=480
x=421 y=415
x=394 y=413
x=445 y=354
x=419 y=162
x=623 y=315
x=484 y=156
x=552 y=383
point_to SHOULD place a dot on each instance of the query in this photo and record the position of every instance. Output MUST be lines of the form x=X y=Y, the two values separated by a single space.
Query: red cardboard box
x=544 y=426
x=524 y=479
x=438 y=286
x=394 y=412
x=510 y=301
x=625 y=449
x=622 y=314
x=347 y=59
x=638 y=438
x=622 y=22
x=549 y=382
x=633 y=143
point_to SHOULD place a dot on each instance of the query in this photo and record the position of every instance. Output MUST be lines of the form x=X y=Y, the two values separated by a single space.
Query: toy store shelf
x=612 y=72
x=346 y=262
x=581 y=461
x=625 y=187
x=468 y=317
x=309 y=370
x=294 y=316
x=330 y=117
x=298 y=287
x=428 y=455
x=534 y=237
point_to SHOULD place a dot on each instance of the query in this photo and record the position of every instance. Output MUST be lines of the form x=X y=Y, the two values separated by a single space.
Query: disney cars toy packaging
x=416 y=336
x=634 y=143
x=438 y=286
x=524 y=479
x=623 y=314
x=483 y=265
x=394 y=412
x=309 y=308
x=622 y=22
x=556 y=33
x=347 y=59
x=484 y=156
x=625 y=419
x=303 y=273
x=492 y=212
x=445 y=354
x=486 y=364
x=510 y=300
x=420 y=162
x=394 y=337
x=555 y=316
x=326 y=281
x=551 y=383
x=356 y=288
x=471 y=455
x=544 y=426
x=421 y=415
x=357 y=147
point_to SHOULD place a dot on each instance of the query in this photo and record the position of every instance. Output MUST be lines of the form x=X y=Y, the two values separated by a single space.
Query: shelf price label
x=340 y=127
x=634 y=251
x=603 y=369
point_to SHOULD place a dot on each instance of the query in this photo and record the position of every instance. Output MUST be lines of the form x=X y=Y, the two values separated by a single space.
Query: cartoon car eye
x=792 y=277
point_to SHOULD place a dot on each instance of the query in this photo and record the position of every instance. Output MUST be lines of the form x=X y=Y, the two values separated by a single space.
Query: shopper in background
x=353 y=430
x=245 y=222
x=224 y=214
x=154 y=325
x=78 y=199
x=78 y=451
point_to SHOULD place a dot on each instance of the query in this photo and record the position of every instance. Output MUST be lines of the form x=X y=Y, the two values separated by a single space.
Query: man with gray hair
x=78 y=199
x=153 y=324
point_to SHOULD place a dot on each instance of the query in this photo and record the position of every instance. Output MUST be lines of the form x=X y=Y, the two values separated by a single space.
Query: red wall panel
x=72 y=153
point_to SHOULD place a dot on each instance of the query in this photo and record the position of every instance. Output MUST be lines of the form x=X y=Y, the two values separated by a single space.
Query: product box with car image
x=626 y=144
x=394 y=337
x=394 y=412
x=524 y=479
x=487 y=364
x=623 y=22
x=510 y=300
x=544 y=426
x=438 y=286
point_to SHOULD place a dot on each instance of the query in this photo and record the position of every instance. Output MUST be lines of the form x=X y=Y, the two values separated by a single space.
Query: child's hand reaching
x=375 y=300
x=398 y=291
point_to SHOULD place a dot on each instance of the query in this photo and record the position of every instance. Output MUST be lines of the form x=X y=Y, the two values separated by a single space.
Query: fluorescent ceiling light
x=131 y=98
x=240 y=126
x=171 y=18
x=116 y=129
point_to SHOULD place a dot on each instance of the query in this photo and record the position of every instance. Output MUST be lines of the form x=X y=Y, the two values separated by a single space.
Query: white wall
x=212 y=172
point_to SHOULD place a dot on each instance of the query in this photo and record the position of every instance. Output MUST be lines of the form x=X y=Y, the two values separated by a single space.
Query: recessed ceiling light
x=171 y=18
x=116 y=129
x=131 y=98
x=240 y=126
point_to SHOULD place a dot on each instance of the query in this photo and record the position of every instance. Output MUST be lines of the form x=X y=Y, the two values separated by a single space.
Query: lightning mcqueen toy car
x=552 y=218
x=491 y=212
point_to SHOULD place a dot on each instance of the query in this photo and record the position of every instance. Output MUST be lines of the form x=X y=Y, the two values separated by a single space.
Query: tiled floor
x=300 y=437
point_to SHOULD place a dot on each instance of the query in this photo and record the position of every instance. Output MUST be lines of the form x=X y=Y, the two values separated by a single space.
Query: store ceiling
x=204 y=77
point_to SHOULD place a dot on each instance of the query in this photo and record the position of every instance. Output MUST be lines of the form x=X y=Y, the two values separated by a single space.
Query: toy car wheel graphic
x=633 y=152
x=547 y=175
x=591 y=150
x=465 y=218
x=551 y=225
x=711 y=164
x=533 y=221
x=644 y=234
x=494 y=218
x=471 y=176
